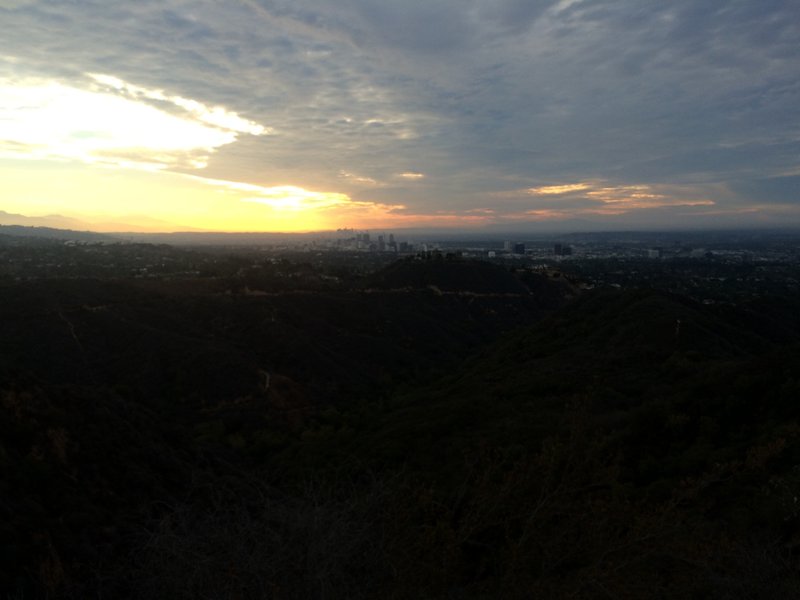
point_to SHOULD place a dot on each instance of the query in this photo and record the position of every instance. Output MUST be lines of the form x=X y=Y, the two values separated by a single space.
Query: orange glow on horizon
x=117 y=199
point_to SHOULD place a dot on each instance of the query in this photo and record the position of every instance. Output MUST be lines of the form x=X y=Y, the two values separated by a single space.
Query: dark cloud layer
x=484 y=97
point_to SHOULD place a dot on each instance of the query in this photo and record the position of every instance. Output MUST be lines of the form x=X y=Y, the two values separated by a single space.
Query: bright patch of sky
x=42 y=119
x=216 y=116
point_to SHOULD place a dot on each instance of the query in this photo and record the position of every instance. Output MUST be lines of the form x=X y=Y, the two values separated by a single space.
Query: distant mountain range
x=133 y=229
x=53 y=221
x=130 y=223
x=51 y=233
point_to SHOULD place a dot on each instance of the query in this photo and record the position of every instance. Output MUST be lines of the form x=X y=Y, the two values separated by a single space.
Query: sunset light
x=313 y=116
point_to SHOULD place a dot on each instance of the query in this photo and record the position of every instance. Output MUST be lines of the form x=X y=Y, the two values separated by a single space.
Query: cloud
x=774 y=190
x=696 y=101
x=572 y=200
x=44 y=119
x=548 y=190
x=417 y=26
x=217 y=116
x=289 y=197
x=359 y=179
x=514 y=16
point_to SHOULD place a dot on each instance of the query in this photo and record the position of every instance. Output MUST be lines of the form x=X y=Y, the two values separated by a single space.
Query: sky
x=302 y=115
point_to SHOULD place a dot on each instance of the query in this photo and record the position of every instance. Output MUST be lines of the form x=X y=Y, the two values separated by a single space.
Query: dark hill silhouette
x=175 y=343
x=557 y=439
x=448 y=275
x=616 y=352
x=175 y=440
x=118 y=394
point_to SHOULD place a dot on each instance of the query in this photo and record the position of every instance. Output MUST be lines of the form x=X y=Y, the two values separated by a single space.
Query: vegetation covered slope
x=120 y=397
x=179 y=441
x=448 y=275
x=635 y=444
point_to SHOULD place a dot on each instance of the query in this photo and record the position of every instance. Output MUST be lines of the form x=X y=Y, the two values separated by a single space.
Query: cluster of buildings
x=519 y=249
x=365 y=242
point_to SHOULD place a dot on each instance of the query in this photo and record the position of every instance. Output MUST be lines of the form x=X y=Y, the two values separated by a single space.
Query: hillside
x=123 y=397
x=448 y=275
x=614 y=353
x=609 y=436
x=422 y=435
